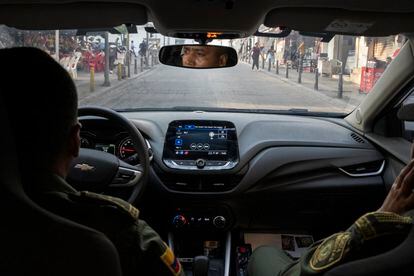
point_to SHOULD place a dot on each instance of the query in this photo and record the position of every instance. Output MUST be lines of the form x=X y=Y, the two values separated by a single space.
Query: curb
x=95 y=94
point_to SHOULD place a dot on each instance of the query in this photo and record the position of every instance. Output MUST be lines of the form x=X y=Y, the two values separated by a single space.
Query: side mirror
x=198 y=56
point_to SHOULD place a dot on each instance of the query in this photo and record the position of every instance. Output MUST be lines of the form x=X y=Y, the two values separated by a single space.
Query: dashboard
x=249 y=166
x=216 y=152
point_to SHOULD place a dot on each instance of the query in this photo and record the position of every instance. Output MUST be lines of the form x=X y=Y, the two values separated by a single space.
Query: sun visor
x=72 y=15
x=341 y=21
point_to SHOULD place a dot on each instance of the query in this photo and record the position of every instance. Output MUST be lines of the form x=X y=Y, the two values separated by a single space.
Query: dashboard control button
x=219 y=184
x=219 y=222
x=200 y=146
x=182 y=184
x=193 y=146
x=179 y=221
x=185 y=162
x=210 y=163
x=200 y=163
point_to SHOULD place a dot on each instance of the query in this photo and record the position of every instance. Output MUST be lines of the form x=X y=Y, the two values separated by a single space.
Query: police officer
x=48 y=140
x=372 y=234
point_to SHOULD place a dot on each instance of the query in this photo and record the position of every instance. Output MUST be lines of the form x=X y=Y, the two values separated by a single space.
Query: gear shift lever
x=200 y=266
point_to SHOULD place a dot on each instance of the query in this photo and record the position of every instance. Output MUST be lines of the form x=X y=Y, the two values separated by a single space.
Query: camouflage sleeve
x=371 y=234
x=141 y=249
x=153 y=256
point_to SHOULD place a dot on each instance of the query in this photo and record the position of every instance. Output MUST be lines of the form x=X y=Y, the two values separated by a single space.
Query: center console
x=215 y=246
x=200 y=156
x=201 y=145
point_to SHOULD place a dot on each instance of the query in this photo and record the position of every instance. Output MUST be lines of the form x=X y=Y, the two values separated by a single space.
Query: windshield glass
x=291 y=74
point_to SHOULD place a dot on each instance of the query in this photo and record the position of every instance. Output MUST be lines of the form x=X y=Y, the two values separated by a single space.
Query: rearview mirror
x=198 y=56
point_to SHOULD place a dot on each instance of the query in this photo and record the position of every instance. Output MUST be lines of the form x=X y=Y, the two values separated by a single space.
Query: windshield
x=120 y=70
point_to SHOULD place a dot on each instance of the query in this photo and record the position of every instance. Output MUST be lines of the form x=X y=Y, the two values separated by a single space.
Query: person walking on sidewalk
x=270 y=56
x=143 y=46
x=255 y=55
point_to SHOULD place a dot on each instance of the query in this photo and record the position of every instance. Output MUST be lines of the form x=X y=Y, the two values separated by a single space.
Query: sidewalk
x=83 y=81
x=326 y=86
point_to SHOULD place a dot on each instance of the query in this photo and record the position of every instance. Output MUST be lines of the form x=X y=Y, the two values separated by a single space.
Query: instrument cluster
x=119 y=144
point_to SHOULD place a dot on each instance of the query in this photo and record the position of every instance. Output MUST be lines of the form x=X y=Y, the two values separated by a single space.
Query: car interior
x=254 y=178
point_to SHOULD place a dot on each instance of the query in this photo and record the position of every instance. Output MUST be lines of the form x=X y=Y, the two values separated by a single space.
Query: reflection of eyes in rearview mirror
x=198 y=56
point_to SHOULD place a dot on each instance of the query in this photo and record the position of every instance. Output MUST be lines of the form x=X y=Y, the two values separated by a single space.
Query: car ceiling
x=234 y=16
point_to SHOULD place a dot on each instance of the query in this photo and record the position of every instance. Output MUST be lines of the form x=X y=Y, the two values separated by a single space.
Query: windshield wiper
x=298 y=110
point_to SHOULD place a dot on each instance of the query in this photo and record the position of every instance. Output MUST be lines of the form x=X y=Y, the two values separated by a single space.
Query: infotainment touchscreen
x=207 y=140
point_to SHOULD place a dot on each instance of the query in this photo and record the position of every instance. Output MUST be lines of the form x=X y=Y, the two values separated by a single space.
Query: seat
x=398 y=261
x=35 y=241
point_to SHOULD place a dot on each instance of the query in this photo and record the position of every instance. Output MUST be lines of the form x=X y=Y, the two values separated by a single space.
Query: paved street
x=237 y=87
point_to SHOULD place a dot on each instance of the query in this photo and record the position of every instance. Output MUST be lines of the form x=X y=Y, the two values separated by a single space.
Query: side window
x=408 y=126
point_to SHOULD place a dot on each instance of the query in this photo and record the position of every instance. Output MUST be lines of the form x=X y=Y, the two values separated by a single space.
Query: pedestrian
x=255 y=55
x=112 y=57
x=132 y=47
x=270 y=55
x=143 y=50
x=241 y=51
x=101 y=45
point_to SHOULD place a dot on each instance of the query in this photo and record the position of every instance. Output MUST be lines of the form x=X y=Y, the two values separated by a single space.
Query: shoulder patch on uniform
x=114 y=201
x=171 y=261
x=376 y=224
x=332 y=250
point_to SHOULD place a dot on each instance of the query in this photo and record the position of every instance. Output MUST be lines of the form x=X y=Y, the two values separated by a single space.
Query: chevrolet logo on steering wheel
x=84 y=167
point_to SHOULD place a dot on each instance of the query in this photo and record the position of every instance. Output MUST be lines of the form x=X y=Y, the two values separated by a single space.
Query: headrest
x=39 y=96
x=31 y=68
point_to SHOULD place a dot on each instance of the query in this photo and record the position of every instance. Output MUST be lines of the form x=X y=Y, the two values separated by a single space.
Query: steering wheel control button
x=200 y=163
x=179 y=221
x=126 y=177
x=219 y=222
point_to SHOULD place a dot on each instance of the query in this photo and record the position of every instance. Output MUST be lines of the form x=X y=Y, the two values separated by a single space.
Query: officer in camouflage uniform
x=48 y=144
x=372 y=234
x=141 y=250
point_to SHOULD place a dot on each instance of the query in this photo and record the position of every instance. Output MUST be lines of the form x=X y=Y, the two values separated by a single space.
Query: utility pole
x=287 y=69
x=106 y=72
x=147 y=52
x=300 y=68
x=57 y=45
x=128 y=56
x=316 y=85
x=339 y=57
x=277 y=67
x=340 y=83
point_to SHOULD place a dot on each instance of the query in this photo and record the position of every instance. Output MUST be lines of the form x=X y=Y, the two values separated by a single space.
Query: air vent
x=191 y=183
x=357 y=138
x=364 y=169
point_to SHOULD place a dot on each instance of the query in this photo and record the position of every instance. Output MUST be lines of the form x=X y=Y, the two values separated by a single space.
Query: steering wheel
x=102 y=172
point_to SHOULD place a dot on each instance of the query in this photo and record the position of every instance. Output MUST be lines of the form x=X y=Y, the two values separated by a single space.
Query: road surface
x=236 y=87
